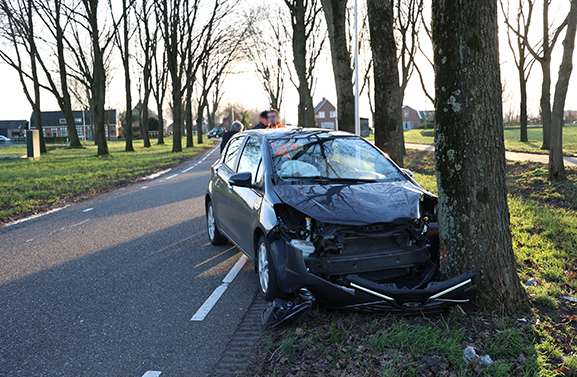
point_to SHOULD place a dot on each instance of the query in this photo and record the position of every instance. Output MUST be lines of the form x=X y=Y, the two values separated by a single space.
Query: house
x=411 y=118
x=326 y=115
x=12 y=128
x=54 y=124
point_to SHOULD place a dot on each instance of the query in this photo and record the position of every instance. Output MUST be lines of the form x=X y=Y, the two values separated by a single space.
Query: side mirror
x=408 y=172
x=241 y=180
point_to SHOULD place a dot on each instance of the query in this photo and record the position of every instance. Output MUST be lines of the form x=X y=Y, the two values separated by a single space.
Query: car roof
x=296 y=133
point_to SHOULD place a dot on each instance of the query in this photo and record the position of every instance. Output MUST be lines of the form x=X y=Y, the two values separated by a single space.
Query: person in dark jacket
x=263 y=121
x=235 y=127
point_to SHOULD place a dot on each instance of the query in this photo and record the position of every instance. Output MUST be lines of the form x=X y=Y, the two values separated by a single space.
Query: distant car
x=328 y=216
x=4 y=139
x=216 y=132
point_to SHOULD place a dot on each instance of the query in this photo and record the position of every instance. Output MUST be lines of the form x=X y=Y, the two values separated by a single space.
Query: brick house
x=326 y=115
x=12 y=128
x=54 y=124
x=411 y=118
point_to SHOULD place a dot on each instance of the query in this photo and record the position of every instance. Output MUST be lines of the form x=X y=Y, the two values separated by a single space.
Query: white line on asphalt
x=88 y=209
x=219 y=291
x=156 y=175
x=80 y=223
x=187 y=169
x=151 y=373
x=30 y=240
x=172 y=176
x=144 y=187
x=35 y=216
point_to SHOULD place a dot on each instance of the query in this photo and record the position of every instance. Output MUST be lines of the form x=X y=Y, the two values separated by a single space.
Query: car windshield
x=330 y=159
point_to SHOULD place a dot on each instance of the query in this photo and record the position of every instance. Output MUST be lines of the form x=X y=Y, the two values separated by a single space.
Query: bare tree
x=556 y=165
x=408 y=15
x=19 y=32
x=53 y=16
x=159 y=82
x=388 y=97
x=308 y=39
x=523 y=59
x=123 y=43
x=266 y=49
x=470 y=153
x=429 y=60
x=336 y=18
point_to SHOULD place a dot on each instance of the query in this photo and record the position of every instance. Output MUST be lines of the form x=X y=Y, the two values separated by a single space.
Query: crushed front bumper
x=367 y=296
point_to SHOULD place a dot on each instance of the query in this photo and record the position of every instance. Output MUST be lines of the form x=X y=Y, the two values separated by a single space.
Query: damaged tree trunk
x=470 y=153
x=556 y=164
x=388 y=98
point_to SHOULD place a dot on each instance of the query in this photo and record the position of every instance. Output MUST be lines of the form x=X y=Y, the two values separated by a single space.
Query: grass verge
x=67 y=175
x=512 y=143
x=539 y=343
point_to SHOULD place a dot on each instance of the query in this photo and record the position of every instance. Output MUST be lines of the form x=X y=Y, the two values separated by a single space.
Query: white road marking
x=187 y=169
x=151 y=373
x=144 y=187
x=35 y=216
x=156 y=175
x=80 y=223
x=88 y=209
x=203 y=311
x=172 y=176
x=202 y=160
x=30 y=240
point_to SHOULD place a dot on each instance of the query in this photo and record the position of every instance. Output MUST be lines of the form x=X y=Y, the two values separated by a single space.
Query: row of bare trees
x=178 y=52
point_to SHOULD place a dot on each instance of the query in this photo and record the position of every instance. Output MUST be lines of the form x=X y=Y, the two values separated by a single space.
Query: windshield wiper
x=329 y=179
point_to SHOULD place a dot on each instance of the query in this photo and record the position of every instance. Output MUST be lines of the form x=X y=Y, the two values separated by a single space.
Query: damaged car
x=329 y=217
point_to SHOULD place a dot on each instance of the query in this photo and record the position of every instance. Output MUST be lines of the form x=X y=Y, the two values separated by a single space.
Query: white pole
x=357 y=120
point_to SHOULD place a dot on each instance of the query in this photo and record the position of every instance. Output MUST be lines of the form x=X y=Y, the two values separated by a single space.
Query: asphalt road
x=108 y=286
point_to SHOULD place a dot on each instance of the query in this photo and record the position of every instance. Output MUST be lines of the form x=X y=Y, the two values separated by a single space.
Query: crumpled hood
x=356 y=204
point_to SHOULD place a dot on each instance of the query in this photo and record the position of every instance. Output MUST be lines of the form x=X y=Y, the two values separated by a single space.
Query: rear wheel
x=267 y=277
x=214 y=235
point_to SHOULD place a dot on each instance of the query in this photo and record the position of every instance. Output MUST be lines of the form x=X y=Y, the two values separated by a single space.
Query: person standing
x=274 y=119
x=235 y=128
x=263 y=121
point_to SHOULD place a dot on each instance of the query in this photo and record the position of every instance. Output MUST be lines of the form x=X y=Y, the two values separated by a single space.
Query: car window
x=250 y=158
x=232 y=151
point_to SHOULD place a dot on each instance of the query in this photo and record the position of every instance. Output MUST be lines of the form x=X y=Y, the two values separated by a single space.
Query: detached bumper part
x=281 y=313
x=435 y=297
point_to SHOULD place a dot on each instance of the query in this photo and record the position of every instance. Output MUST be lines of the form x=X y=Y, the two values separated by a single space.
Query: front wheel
x=214 y=235
x=267 y=277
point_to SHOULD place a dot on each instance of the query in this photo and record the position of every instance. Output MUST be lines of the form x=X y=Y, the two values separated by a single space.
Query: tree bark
x=523 y=115
x=556 y=164
x=129 y=147
x=335 y=15
x=35 y=81
x=188 y=111
x=388 y=97
x=199 y=119
x=546 y=85
x=470 y=153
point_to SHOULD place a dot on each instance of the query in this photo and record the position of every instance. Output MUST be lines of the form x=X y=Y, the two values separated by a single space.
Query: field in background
x=65 y=175
x=512 y=142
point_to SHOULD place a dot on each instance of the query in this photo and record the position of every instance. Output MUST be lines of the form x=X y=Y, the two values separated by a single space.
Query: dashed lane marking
x=203 y=311
x=172 y=176
x=88 y=210
x=151 y=373
x=144 y=187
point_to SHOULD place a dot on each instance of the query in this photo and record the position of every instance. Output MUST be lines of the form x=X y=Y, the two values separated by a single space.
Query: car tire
x=214 y=235
x=266 y=272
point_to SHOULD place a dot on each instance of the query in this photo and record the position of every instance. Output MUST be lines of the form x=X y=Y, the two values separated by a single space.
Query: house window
x=333 y=114
x=78 y=120
x=406 y=113
x=321 y=114
x=62 y=121
x=64 y=132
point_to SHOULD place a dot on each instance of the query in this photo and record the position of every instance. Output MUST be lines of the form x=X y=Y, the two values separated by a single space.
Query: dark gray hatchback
x=329 y=216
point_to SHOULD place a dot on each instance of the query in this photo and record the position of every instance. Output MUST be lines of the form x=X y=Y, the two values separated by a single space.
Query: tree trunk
x=523 y=88
x=546 y=103
x=160 y=124
x=129 y=147
x=199 y=119
x=556 y=165
x=189 y=140
x=388 y=98
x=335 y=14
x=35 y=80
x=306 y=111
x=470 y=153
x=145 y=136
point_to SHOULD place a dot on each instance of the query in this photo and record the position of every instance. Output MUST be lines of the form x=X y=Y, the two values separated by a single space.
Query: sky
x=244 y=87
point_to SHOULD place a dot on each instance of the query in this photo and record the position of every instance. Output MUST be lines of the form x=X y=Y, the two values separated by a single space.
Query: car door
x=221 y=190
x=245 y=202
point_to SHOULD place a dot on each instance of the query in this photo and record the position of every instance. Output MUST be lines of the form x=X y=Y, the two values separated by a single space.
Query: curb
x=235 y=359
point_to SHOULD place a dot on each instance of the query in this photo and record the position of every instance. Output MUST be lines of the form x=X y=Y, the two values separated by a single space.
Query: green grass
x=544 y=232
x=512 y=143
x=64 y=175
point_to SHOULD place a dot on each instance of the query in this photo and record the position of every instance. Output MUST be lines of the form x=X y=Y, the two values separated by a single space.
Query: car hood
x=356 y=204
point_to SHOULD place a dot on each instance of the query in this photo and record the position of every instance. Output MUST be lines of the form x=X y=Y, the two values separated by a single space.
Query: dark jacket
x=259 y=126
x=225 y=138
